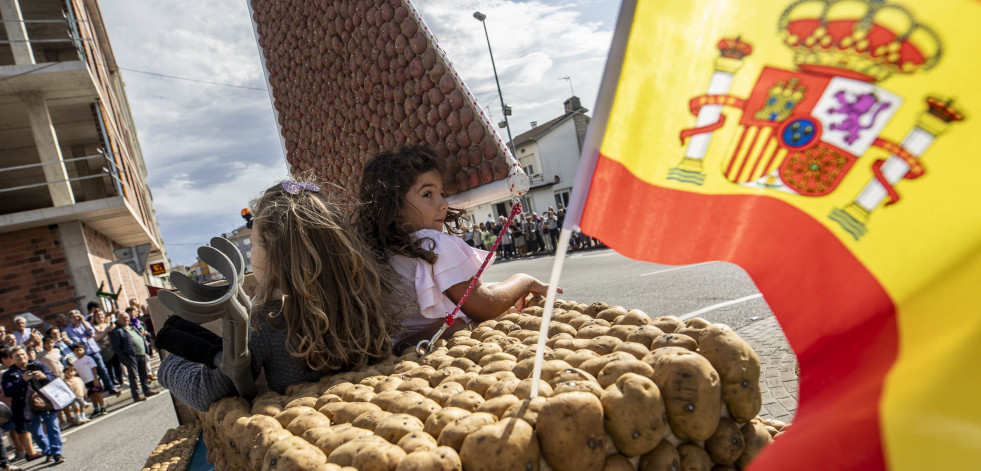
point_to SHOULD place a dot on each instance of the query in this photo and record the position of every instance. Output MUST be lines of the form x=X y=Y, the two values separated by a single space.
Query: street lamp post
x=481 y=17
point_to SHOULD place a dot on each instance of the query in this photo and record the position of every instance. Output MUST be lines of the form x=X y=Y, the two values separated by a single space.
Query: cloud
x=210 y=149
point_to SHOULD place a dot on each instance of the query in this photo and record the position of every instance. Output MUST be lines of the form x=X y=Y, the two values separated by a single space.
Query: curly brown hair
x=385 y=180
x=339 y=305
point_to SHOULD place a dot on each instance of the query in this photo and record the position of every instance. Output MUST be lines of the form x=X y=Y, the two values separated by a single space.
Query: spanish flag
x=831 y=148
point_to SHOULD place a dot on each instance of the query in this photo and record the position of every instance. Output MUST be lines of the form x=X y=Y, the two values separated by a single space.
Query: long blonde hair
x=339 y=306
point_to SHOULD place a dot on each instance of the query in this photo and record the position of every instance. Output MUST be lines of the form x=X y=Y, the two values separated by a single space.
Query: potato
x=371 y=381
x=634 y=414
x=359 y=393
x=738 y=367
x=339 y=389
x=621 y=331
x=572 y=421
x=396 y=426
x=591 y=387
x=287 y=416
x=423 y=372
x=454 y=433
x=467 y=400
x=526 y=409
x=307 y=421
x=499 y=365
x=498 y=405
x=419 y=385
x=697 y=323
x=668 y=324
x=444 y=372
x=755 y=438
x=637 y=350
x=523 y=389
x=340 y=436
x=664 y=457
x=611 y=313
x=603 y=344
x=481 y=383
x=369 y=420
x=292 y=454
x=416 y=441
x=589 y=331
x=345 y=454
x=502 y=387
x=444 y=391
x=385 y=399
x=511 y=442
x=674 y=340
x=420 y=408
x=726 y=444
x=479 y=351
x=315 y=434
x=346 y=412
x=443 y=417
x=465 y=341
x=613 y=370
x=458 y=351
x=378 y=457
x=691 y=392
x=576 y=359
x=325 y=399
x=595 y=365
x=694 y=458
x=261 y=445
x=644 y=335
x=593 y=309
x=441 y=459
x=617 y=462
x=633 y=317
x=462 y=378
x=465 y=364
x=579 y=321
x=306 y=401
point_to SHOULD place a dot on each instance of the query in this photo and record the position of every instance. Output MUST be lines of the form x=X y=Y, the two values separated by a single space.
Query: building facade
x=72 y=176
x=549 y=154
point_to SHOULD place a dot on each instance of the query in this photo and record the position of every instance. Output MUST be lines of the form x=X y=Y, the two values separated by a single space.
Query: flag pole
x=584 y=173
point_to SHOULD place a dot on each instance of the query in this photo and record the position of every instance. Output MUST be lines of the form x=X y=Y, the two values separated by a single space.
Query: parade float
x=618 y=388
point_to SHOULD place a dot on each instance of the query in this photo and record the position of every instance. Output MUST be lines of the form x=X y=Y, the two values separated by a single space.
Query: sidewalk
x=778 y=380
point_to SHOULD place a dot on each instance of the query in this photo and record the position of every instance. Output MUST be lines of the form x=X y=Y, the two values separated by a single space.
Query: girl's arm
x=489 y=301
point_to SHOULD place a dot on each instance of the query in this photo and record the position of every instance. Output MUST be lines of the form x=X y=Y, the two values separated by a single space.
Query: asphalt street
x=121 y=440
x=717 y=291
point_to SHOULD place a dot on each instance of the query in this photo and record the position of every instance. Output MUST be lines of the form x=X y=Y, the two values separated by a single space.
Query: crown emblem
x=862 y=39
x=734 y=48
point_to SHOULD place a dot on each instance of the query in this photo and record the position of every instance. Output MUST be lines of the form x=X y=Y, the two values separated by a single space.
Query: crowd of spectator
x=89 y=352
x=528 y=235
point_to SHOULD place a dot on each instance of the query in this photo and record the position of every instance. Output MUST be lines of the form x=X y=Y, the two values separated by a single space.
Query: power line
x=191 y=79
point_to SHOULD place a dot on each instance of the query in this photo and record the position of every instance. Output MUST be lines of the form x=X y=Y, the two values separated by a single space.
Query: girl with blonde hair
x=323 y=303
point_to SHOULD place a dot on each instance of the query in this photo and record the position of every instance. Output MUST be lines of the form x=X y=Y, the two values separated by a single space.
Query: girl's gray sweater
x=199 y=386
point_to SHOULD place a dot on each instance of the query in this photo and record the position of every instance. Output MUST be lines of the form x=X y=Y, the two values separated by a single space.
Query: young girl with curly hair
x=323 y=303
x=402 y=217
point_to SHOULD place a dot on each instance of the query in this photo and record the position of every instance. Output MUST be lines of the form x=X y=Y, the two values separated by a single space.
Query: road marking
x=96 y=420
x=675 y=268
x=720 y=305
x=606 y=254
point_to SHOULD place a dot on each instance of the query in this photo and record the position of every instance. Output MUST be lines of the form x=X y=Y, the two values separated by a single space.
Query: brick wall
x=34 y=275
x=100 y=252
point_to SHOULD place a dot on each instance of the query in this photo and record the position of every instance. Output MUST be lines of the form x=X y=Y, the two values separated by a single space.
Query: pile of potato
x=175 y=449
x=355 y=77
x=619 y=390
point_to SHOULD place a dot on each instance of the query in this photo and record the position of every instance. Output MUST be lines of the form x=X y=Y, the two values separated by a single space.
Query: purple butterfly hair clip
x=294 y=188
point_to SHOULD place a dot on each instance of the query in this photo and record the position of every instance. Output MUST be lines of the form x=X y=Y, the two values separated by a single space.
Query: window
x=527 y=163
x=562 y=199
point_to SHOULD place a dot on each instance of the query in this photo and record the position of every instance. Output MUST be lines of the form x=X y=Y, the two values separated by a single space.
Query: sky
x=210 y=149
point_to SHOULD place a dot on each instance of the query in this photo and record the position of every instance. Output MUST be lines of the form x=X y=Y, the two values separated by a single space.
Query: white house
x=549 y=154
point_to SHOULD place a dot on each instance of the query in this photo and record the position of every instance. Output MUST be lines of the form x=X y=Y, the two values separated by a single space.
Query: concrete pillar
x=47 y=147
x=76 y=251
x=16 y=32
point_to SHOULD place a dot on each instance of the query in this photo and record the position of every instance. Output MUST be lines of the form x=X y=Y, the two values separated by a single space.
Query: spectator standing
x=75 y=410
x=87 y=370
x=51 y=357
x=17 y=381
x=488 y=238
x=21 y=440
x=478 y=236
x=519 y=238
x=131 y=349
x=507 y=245
x=468 y=235
x=102 y=328
x=21 y=331
x=552 y=222
x=81 y=332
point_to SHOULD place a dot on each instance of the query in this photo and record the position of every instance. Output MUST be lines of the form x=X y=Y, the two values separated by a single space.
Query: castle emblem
x=802 y=130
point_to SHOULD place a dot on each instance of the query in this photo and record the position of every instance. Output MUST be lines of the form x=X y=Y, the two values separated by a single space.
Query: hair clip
x=294 y=188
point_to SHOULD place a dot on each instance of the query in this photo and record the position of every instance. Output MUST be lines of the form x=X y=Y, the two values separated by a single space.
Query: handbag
x=38 y=402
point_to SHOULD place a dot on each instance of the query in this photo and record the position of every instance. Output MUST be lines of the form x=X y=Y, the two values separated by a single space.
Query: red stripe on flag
x=837 y=317
x=739 y=146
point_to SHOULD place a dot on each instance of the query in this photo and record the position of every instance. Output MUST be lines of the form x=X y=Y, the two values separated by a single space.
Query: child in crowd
x=86 y=368
x=402 y=216
x=323 y=304
x=75 y=410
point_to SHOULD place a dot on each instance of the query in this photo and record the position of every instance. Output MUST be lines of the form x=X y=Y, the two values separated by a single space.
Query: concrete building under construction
x=72 y=177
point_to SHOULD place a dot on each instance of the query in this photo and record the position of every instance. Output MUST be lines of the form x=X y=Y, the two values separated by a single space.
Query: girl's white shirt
x=456 y=262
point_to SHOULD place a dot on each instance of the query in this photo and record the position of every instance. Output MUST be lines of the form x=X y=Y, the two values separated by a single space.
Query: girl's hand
x=536 y=288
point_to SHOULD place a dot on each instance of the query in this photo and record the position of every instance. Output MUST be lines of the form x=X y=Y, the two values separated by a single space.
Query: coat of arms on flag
x=802 y=130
